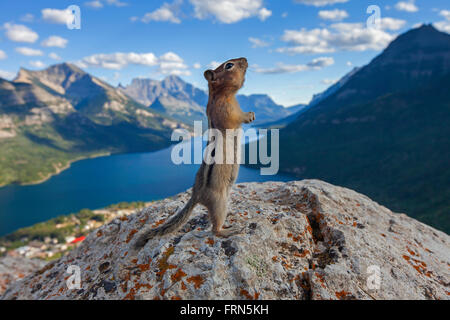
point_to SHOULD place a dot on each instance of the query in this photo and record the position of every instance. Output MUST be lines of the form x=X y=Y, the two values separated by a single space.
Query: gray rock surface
x=15 y=268
x=302 y=240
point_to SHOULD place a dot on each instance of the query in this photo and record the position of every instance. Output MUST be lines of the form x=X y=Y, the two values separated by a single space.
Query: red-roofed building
x=80 y=239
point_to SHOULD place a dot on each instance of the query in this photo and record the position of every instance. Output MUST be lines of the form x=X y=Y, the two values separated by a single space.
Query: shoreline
x=58 y=170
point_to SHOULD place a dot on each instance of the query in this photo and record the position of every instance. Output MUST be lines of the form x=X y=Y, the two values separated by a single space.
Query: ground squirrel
x=213 y=181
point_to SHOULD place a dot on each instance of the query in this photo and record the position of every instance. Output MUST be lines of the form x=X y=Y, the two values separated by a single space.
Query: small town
x=53 y=239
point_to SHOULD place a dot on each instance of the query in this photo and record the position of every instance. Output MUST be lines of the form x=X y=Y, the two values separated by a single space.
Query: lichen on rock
x=301 y=240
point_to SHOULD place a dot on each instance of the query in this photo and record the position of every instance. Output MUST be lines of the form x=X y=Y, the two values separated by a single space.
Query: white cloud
x=55 y=41
x=445 y=14
x=165 y=13
x=116 y=3
x=54 y=56
x=258 y=43
x=340 y=37
x=315 y=64
x=97 y=4
x=349 y=63
x=264 y=13
x=118 y=60
x=319 y=3
x=214 y=64
x=197 y=65
x=391 y=23
x=230 y=11
x=94 y=4
x=168 y=63
x=7 y=75
x=333 y=15
x=3 y=55
x=444 y=25
x=329 y=82
x=29 y=51
x=37 y=64
x=27 y=18
x=20 y=33
x=171 y=63
x=407 y=6
x=57 y=16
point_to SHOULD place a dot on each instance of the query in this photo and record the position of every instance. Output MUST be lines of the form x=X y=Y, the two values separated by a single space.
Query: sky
x=295 y=48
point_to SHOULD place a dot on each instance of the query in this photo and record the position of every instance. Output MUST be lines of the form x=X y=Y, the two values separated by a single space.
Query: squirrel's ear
x=209 y=75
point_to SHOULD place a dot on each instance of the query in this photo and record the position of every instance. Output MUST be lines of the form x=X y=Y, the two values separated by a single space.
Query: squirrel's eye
x=229 y=65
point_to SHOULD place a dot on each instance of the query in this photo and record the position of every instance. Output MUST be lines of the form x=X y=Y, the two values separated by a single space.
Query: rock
x=301 y=240
x=15 y=268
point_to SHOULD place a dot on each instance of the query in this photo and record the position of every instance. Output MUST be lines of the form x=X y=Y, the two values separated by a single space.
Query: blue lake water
x=99 y=182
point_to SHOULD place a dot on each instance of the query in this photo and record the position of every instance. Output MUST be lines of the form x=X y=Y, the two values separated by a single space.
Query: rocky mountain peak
x=300 y=240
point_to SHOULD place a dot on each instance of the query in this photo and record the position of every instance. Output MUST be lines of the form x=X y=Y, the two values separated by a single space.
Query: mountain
x=52 y=117
x=297 y=110
x=301 y=240
x=171 y=96
x=385 y=131
x=182 y=101
x=264 y=107
x=333 y=88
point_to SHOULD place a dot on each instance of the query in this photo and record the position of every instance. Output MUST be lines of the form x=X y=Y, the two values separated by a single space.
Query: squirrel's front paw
x=250 y=117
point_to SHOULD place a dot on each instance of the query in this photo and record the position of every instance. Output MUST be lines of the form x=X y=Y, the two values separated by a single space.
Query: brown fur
x=213 y=182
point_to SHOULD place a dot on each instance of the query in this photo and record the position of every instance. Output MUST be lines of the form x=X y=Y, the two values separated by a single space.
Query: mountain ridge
x=52 y=117
x=383 y=132
x=173 y=92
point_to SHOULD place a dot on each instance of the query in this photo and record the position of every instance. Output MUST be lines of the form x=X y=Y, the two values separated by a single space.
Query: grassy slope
x=39 y=151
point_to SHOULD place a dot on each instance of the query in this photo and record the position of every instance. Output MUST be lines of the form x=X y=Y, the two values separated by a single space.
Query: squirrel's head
x=229 y=75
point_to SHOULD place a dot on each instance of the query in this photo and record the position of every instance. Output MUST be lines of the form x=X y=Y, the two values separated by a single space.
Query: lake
x=99 y=182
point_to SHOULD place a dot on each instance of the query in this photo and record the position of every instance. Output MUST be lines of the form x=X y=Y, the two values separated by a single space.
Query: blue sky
x=295 y=48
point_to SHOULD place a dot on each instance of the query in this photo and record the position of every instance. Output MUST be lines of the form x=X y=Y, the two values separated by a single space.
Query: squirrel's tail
x=173 y=224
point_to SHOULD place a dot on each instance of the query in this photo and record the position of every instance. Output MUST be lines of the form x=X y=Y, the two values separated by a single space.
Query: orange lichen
x=144 y=220
x=177 y=275
x=320 y=277
x=138 y=286
x=411 y=252
x=341 y=295
x=144 y=267
x=131 y=235
x=163 y=265
x=176 y=298
x=285 y=263
x=303 y=254
x=274 y=258
x=99 y=233
x=210 y=241
x=157 y=223
x=123 y=218
x=245 y=294
x=131 y=295
x=196 y=280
